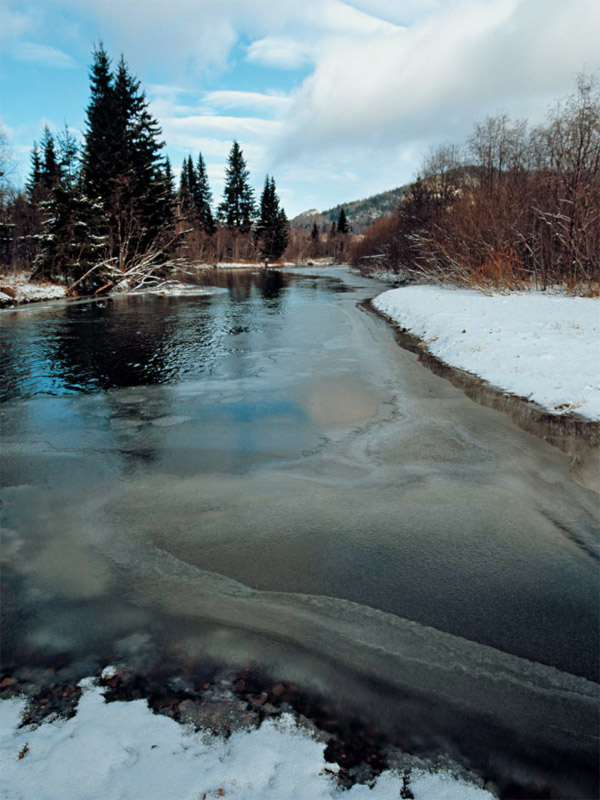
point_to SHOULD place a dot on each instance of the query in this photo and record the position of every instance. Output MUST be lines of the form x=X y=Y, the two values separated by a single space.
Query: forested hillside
x=360 y=213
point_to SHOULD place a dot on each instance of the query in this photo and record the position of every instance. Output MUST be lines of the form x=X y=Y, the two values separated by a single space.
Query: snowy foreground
x=123 y=750
x=536 y=345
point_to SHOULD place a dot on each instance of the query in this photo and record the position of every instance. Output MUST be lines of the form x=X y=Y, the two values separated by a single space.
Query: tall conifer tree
x=203 y=198
x=122 y=166
x=98 y=167
x=183 y=194
x=237 y=210
x=272 y=228
x=342 y=225
x=35 y=176
x=50 y=171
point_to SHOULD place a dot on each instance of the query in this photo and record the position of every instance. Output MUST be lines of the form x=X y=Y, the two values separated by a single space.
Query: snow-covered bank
x=22 y=290
x=123 y=750
x=543 y=347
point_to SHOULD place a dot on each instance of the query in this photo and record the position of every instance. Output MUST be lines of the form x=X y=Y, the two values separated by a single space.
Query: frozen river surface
x=262 y=475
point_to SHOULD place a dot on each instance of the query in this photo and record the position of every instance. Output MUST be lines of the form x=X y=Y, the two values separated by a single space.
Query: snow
x=123 y=750
x=541 y=346
x=385 y=276
x=27 y=291
x=175 y=289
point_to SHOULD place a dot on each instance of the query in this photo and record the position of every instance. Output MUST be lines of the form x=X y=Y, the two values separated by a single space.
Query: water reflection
x=133 y=341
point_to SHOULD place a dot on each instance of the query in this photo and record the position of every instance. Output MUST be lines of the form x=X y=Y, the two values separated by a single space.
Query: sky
x=338 y=99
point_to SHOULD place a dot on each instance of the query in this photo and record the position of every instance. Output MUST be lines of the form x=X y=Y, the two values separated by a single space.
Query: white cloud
x=430 y=80
x=257 y=101
x=280 y=52
x=14 y=23
x=224 y=126
x=43 y=54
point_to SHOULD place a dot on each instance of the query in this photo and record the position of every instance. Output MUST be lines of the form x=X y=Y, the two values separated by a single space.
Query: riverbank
x=221 y=741
x=541 y=347
x=530 y=355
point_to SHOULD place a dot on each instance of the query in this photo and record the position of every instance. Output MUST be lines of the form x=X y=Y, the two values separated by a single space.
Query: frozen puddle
x=123 y=750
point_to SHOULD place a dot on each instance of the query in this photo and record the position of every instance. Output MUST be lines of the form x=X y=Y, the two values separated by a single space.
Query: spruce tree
x=70 y=243
x=272 y=230
x=122 y=165
x=169 y=185
x=68 y=151
x=166 y=196
x=342 y=225
x=203 y=198
x=315 y=239
x=183 y=194
x=149 y=201
x=50 y=171
x=34 y=181
x=192 y=181
x=98 y=167
x=32 y=229
x=237 y=210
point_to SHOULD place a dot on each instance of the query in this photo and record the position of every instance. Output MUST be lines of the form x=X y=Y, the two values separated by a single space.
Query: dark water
x=263 y=474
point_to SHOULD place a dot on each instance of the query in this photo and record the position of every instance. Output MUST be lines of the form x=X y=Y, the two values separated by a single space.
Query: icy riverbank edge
x=123 y=750
x=529 y=354
x=16 y=289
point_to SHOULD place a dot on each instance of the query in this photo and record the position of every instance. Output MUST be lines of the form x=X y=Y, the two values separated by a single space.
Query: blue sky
x=338 y=99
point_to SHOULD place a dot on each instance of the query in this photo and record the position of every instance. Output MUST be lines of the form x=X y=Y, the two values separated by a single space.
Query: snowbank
x=544 y=347
x=123 y=750
x=21 y=290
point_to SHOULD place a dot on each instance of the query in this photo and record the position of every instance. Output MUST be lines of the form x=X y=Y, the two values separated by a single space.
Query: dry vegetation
x=514 y=207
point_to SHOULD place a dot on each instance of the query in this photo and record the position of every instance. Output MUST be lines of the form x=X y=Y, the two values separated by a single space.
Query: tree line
x=107 y=210
x=514 y=205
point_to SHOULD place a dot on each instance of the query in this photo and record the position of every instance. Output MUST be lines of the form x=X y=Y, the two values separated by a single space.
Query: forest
x=108 y=212
x=515 y=205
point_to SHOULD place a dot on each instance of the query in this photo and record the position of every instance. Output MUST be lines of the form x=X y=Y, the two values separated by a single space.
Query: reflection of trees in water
x=240 y=282
x=15 y=366
x=271 y=285
x=110 y=344
x=135 y=341
x=135 y=438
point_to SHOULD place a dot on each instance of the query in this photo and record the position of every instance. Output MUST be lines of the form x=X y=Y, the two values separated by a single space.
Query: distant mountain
x=360 y=213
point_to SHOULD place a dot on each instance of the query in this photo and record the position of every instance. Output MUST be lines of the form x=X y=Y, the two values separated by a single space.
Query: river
x=263 y=475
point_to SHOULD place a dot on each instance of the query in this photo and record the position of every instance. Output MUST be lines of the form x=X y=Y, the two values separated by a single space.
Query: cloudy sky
x=338 y=99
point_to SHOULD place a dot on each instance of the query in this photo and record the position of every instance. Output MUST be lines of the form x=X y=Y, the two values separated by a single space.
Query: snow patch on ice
x=123 y=750
x=540 y=346
x=177 y=289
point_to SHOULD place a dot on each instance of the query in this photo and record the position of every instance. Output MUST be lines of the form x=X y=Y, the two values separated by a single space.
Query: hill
x=360 y=213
